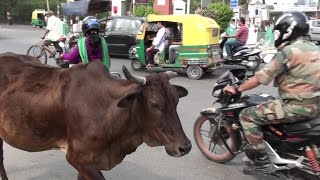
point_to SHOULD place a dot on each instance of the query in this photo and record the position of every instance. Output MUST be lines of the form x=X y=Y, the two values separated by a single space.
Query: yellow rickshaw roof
x=185 y=19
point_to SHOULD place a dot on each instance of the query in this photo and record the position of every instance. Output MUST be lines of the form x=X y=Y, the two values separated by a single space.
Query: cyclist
x=53 y=33
x=91 y=47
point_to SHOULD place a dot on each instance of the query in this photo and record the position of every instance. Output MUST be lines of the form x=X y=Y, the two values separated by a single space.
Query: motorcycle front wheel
x=210 y=144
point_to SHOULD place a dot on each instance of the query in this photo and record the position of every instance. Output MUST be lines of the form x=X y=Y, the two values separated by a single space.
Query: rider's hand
x=229 y=89
x=148 y=49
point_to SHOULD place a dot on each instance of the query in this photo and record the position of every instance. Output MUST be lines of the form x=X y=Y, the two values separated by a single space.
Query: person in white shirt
x=53 y=33
x=157 y=44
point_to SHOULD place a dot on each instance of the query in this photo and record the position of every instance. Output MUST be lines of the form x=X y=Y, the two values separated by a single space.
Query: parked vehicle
x=199 y=52
x=38 y=18
x=314 y=31
x=292 y=148
x=120 y=33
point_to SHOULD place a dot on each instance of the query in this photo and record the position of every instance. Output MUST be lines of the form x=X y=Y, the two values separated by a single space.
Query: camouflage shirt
x=301 y=79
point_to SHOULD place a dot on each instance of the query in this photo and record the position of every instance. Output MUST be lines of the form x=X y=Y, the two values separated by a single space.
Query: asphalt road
x=145 y=163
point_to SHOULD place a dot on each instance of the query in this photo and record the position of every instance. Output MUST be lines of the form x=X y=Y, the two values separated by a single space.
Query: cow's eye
x=155 y=106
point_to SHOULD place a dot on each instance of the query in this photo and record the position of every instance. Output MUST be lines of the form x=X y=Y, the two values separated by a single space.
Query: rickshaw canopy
x=196 y=29
x=36 y=12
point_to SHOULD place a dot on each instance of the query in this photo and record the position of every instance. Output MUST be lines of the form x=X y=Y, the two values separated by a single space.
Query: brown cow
x=96 y=119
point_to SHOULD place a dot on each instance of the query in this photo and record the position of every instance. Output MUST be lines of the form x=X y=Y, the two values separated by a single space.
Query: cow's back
x=30 y=96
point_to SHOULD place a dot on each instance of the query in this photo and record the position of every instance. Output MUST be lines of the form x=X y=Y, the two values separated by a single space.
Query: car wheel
x=194 y=72
x=308 y=38
x=136 y=65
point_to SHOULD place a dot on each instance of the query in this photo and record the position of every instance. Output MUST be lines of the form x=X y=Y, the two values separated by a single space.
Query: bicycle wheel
x=38 y=52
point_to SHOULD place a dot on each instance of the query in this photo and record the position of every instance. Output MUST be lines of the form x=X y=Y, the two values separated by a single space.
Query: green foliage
x=144 y=11
x=22 y=10
x=195 y=4
x=222 y=14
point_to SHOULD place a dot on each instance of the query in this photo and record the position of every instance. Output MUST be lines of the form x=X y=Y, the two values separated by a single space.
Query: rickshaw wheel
x=194 y=72
x=136 y=65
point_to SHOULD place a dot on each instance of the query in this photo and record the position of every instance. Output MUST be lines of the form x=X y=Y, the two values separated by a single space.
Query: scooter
x=293 y=149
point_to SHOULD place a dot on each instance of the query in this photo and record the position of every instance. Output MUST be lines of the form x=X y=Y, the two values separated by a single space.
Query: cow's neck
x=125 y=134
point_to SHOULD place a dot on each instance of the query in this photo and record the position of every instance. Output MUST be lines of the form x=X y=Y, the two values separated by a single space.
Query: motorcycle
x=292 y=148
x=248 y=55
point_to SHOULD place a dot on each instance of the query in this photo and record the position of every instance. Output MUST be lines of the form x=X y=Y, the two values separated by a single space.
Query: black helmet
x=290 y=26
x=90 y=25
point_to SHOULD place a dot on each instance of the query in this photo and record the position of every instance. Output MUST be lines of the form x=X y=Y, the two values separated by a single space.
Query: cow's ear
x=182 y=92
x=128 y=99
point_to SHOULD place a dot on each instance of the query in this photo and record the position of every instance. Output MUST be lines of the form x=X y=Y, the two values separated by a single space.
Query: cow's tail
x=2 y=170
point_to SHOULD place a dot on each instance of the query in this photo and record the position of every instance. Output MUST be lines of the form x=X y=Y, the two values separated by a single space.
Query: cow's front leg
x=86 y=171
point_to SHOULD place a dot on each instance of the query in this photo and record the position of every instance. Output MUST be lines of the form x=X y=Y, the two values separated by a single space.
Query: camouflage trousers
x=273 y=112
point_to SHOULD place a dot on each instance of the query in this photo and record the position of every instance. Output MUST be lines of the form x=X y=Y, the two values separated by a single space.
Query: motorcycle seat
x=240 y=48
x=302 y=126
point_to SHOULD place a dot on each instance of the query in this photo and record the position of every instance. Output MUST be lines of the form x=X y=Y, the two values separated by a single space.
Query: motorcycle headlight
x=217 y=93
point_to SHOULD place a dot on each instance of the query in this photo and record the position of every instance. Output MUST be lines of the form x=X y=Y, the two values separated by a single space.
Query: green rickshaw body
x=198 y=53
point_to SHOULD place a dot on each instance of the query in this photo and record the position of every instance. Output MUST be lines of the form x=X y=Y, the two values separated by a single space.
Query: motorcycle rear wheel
x=208 y=151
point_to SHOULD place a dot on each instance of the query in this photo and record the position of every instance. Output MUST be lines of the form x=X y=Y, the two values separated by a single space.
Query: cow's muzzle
x=180 y=150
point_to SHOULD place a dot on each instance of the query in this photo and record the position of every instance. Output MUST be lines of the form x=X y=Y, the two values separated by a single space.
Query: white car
x=314 y=31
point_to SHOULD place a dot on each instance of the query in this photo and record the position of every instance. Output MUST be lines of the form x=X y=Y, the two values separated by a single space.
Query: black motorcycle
x=243 y=55
x=292 y=148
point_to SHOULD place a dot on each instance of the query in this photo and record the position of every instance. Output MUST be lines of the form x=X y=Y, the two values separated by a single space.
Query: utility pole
x=188 y=6
x=58 y=8
x=48 y=5
x=133 y=6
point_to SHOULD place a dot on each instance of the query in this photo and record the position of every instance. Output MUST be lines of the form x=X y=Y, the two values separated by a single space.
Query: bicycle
x=40 y=52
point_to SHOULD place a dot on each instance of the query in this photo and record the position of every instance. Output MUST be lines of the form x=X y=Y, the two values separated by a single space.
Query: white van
x=314 y=31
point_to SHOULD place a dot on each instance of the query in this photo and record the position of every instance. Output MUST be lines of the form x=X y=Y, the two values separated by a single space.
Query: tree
x=144 y=11
x=220 y=12
x=7 y=6
x=195 y=4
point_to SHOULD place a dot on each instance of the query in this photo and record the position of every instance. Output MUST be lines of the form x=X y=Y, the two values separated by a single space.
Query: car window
x=133 y=25
x=122 y=24
x=139 y=24
x=109 y=25
x=316 y=23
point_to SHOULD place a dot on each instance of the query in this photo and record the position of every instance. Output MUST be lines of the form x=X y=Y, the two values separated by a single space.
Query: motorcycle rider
x=241 y=38
x=89 y=48
x=295 y=70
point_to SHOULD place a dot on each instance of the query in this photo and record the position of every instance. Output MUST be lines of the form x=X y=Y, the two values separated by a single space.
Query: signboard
x=233 y=4
x=296 y=5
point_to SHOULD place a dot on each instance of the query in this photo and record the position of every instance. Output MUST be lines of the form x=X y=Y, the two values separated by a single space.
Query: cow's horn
x=171 y=74
x=133 y=78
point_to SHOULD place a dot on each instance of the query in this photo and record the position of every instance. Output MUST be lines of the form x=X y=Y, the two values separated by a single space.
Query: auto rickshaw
x=38 y=18
x=198 y=53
